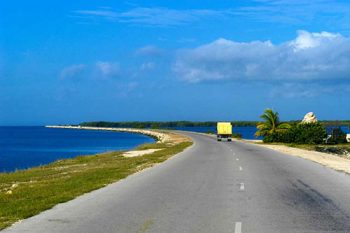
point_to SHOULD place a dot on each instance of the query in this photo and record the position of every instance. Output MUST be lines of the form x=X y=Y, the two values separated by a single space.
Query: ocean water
x=25 y=147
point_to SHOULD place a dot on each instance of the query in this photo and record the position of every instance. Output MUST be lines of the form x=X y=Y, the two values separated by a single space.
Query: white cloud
x=102 y=13
x=155 y=16
x=108 y=69
x=147 y=66
x=163 y=16
x=330 y=13
x=302 y=12
x=310 y=40
x=310 y=56
x=149 y=50
x=72 y=71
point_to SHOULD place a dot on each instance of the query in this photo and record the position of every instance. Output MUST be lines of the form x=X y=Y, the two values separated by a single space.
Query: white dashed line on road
x=241 y=186
x=237 y=159
x=240 y=168
x=238 y=227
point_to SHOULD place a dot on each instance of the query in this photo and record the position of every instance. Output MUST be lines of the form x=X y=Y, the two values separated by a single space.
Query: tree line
x=162 y=124
x=174 y=124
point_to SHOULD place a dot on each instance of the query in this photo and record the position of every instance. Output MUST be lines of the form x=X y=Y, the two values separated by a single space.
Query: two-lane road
x=211 y=187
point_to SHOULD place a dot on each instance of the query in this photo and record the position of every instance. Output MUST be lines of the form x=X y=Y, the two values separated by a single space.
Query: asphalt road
x=211 y=187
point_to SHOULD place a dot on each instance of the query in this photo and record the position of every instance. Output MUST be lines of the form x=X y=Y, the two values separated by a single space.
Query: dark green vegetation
x=162 y=124
x=335 y=123
x=172 y=124
x=271 y=124
x=337 y=136
x=27 y=193
x=237 y=135
x=296 y=133
x=310 y=133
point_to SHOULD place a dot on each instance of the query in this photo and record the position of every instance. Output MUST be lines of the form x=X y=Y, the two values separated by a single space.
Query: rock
x=309 y=118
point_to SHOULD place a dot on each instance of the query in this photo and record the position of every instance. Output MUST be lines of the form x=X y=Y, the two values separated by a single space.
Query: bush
x=338 y=136
x=275 y=137
x=310 y=133
x=237 y=135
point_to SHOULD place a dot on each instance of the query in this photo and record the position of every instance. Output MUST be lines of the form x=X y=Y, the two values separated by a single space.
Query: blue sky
x=71 y=61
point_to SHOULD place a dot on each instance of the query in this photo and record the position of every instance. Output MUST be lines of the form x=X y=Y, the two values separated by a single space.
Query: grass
x=29 y=192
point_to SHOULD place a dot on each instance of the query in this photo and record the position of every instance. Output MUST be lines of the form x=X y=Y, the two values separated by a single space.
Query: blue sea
x=25 y=147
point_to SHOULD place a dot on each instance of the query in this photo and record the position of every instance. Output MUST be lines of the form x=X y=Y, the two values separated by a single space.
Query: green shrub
x=237 y=135
x=275 y=137
x=338 y=136
x=309 y=133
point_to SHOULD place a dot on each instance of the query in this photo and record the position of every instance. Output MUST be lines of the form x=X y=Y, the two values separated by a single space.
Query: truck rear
x=224 y=130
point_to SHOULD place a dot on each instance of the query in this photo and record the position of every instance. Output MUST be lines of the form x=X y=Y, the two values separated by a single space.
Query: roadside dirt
x=328 y=160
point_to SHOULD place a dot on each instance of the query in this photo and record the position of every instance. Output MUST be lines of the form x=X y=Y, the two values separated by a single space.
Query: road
x=211 y=187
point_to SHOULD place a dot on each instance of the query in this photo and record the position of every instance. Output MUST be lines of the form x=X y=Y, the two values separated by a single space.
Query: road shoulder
x=332 y=161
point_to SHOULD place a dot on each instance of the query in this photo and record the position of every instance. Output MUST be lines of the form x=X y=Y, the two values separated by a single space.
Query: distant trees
x=163 y=124
x=172 y=124
x=271 y=124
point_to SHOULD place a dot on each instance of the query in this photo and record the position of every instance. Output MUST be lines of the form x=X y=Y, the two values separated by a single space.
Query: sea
x=25 y=147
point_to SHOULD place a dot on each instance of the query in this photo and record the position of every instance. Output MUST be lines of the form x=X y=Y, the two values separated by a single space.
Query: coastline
x=160 y=137
x=25 y=193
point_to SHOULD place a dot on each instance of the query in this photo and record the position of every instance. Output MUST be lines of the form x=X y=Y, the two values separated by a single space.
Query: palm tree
x=271 y=124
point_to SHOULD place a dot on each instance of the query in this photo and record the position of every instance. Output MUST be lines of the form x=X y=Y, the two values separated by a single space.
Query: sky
x=65 y=62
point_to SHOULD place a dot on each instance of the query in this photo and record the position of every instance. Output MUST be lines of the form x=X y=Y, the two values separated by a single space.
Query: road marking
x=234 y=153
x=237 y=159
x=241 y=187
x=238 y=227
x=240 y=168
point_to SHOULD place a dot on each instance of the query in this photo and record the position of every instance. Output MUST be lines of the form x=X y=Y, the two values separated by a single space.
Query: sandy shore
x=328 y=160
x=135 y=153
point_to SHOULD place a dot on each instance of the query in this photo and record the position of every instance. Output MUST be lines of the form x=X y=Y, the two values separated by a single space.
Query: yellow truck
x=224 y=130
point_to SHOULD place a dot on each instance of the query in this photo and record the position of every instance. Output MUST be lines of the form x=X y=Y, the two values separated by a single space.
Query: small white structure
x=348 y=137
x=309 y=118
